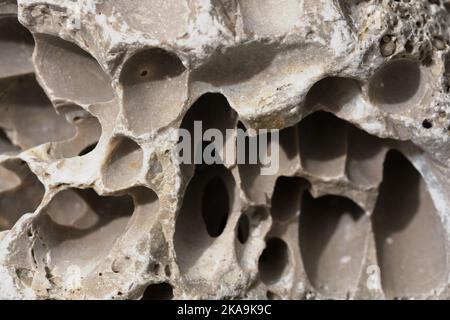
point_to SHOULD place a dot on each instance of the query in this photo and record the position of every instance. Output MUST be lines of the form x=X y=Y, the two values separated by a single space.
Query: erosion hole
x=332 y=235
x=160 y=291
x=273 y=261
x=208 y=200
x=80 y=228
x=88 y=149
x=20 y=192
x=395 y=84
x=215 y=206
x=214 y=112
x=427 y=124
x=243 y=230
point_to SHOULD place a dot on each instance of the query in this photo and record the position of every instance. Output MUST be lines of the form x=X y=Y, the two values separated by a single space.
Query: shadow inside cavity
x=236 y=64
x=80 y=227
x=207 y=204
x=159 y=291
x=332 y=93
x=410 y=239
x=273 y=261
x=332 y=236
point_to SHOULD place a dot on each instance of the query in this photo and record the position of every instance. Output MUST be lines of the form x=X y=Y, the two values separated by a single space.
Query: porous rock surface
x=93 y=205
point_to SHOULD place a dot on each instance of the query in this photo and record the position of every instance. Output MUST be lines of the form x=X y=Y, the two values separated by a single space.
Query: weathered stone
x=93 y=205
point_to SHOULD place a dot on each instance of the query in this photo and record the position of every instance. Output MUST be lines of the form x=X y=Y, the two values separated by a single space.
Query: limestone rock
x=93 y=205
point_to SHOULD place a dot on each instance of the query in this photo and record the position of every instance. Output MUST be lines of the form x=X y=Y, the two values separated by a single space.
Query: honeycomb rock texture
x=94 y=206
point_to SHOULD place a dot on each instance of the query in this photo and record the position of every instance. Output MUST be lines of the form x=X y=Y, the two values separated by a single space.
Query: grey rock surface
x=93 y=205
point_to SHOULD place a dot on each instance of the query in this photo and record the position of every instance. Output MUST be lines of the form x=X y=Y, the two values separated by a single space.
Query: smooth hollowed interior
x=274 y=261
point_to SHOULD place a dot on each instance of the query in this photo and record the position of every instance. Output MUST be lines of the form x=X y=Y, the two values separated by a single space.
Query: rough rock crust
x=93 y=206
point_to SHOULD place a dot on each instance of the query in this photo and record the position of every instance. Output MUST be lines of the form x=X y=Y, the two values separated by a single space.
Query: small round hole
x=396 y=85
x=144 y=73
x=427 y=124
x=167 y=271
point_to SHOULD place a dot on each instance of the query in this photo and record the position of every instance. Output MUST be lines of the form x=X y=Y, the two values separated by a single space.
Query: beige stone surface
x=93 y=205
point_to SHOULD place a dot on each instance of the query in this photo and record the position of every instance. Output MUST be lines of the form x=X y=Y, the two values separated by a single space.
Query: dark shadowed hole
x=3 y=136
x=21 y=192
x=409 y=47
x=214 y=112
x=427 y=124
x=80 y=227
x=88 y=149
x=215 y=206
x=243 y=229
x=286 y=198
x=289 y=145
x=273 y=261
x=206 y=203
x=323 y=143
x=258 y=215
x=364 y=157
x=332 y=92
x=160 y=291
